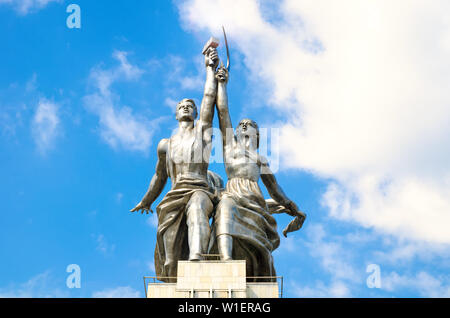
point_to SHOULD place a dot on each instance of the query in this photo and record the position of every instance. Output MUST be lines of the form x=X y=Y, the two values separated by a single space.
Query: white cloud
x=336 y=261
x=151 y=266
x=152 y=220
x=320 y=290
x=119 y=127
x=9 y=121
x=182 y=77
x=171 y=103
x=103 y=246
x=331 y=253
x=39 y=286
x=404 y=252
x=365 y=85
x=31 y=84
x=24 y=7
x=118 y=292
x=343 y=260
x=131 y=72
x=287 y=245
x=423 y=283
x=409 y=207
x=102 y=79
x=46 y=125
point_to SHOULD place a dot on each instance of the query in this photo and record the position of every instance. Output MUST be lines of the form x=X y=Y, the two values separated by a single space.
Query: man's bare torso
x=189 y=153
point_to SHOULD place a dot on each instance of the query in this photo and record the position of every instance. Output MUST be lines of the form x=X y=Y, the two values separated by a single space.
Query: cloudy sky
x=356 y=91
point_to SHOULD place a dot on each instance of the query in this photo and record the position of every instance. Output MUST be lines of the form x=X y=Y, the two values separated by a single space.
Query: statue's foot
x=196 y=257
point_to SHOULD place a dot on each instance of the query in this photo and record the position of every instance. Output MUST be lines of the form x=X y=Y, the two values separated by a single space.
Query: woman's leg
x=224 y=220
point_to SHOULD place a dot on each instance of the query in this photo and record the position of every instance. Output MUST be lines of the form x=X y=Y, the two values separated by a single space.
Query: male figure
x=183 y=215
x=245 y=228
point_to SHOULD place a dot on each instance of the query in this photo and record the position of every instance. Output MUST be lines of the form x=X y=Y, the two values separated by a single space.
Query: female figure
x=244 y=228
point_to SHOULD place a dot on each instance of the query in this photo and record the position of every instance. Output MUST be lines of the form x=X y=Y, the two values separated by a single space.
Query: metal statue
x=183 y=215
x=243 y=227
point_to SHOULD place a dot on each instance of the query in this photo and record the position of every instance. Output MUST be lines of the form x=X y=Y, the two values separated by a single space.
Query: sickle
x=228 y=51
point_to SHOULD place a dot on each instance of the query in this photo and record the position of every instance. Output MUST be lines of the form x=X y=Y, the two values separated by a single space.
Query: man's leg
x=198 y=210
x=170 y=264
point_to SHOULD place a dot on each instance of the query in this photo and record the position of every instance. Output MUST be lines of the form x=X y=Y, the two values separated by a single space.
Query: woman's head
x=248 y=128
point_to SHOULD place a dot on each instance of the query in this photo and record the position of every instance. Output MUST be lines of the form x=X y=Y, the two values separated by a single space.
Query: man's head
x=186 y=110
x=247 y=128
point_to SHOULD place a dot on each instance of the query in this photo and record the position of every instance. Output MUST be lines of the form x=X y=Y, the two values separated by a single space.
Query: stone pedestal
x=212 y=279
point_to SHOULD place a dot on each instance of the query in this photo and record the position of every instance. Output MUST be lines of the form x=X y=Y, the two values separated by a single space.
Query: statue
x=183 y=215
x=243 y=225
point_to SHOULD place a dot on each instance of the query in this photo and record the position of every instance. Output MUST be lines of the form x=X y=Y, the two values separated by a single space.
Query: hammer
x=212 y=42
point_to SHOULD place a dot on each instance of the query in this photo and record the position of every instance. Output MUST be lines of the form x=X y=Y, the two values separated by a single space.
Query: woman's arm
x=275 y=191
x=222 y=108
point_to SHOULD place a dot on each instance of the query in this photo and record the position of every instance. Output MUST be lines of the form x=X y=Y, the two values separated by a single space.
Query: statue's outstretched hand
x=293 y=208
x=222 y=74
x=142 y=207
x=297 y=223
x=290 y=208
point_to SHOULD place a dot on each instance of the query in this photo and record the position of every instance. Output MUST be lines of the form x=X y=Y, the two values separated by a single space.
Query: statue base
x=214 y=279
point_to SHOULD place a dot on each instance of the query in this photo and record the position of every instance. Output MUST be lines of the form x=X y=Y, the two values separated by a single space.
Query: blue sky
x=82 y=110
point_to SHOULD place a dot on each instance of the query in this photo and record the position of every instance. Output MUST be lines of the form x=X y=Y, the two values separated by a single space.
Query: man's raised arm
x=158 y=181
x=209 y=95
